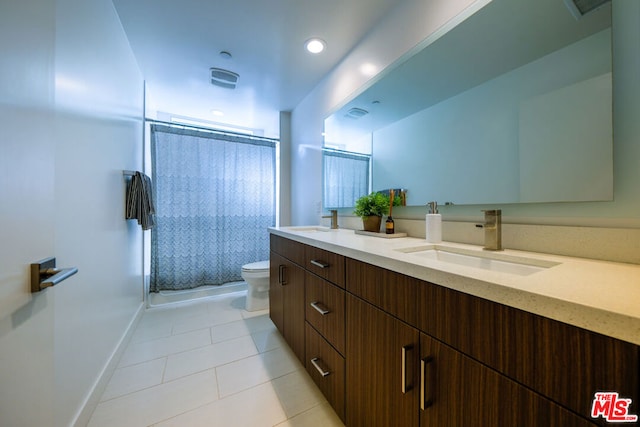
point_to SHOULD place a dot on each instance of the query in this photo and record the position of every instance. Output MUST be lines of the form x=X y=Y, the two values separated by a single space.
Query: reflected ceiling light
x=369 y=69
x=217 y=113
x=315 y=45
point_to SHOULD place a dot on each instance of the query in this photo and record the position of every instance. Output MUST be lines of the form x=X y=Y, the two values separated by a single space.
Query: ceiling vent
x=356 y=113
x=579 y=8
x=224 y=78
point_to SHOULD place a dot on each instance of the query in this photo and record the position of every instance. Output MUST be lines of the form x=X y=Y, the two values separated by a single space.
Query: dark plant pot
x=372 y=223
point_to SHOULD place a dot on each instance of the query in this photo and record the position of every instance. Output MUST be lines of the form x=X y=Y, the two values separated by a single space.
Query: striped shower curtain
x=215 y=197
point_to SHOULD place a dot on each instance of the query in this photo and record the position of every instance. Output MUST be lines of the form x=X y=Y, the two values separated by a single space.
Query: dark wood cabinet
x=382 y=368
x=286 y=301
x=325 y=310
x=565 y=363
x=328 y=265
x=327 y=369
x=387 y=349
x=457 y=391
x=394 y=293
x=276 y=291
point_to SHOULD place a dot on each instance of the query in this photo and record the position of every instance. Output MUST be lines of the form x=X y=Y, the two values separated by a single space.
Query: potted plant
x=371 y=208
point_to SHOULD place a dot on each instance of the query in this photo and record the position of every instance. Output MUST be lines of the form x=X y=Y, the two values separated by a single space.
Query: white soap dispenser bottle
x=433 y=222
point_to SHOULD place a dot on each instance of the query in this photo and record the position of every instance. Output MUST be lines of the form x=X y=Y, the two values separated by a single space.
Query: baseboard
x=93 y=397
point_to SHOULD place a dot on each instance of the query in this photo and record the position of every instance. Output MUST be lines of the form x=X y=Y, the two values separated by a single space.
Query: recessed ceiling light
x=315 y=45
x=217 y=113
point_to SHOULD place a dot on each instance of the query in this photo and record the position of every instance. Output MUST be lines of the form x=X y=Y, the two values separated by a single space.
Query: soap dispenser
x=433 y=223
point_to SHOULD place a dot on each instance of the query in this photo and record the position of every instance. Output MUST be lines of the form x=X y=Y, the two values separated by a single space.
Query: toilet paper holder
x=44 y=274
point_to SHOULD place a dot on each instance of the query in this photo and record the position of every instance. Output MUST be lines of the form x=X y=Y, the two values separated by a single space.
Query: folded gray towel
x=139 y=204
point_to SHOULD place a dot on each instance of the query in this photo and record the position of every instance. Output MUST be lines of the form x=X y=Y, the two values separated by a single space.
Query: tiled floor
x=210 y=363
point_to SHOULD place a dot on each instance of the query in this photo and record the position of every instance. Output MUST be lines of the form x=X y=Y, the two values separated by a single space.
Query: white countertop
x=599 y=296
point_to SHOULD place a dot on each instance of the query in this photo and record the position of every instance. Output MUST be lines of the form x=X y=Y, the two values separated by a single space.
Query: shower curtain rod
x=206 y=129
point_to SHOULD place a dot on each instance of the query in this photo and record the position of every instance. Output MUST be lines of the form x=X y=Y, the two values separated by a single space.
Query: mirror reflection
x=512 y=105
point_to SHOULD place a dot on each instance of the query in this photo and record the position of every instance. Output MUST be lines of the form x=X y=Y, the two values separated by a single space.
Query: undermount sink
x=492 y=261
x=309 y=228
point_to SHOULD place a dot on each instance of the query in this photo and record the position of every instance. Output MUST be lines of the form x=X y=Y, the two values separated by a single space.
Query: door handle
x=425 y=401
x=405 y=349
x=281 y=278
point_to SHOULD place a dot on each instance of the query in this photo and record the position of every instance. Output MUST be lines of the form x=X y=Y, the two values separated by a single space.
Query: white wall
x=411 y=22
x=71 y=121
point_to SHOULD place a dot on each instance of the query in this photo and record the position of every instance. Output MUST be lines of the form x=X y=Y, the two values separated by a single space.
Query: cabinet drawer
x=324 y=310
x=327 y=369
x=327 y=265
x=289 y=249
x=560 y=361
x=392 y=292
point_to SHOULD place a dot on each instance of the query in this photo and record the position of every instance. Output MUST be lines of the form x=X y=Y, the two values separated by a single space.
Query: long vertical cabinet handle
x=281 y=278
x=405 y=349
x=424 y=401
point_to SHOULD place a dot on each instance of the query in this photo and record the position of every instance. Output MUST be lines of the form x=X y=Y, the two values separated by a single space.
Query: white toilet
x=256 y=274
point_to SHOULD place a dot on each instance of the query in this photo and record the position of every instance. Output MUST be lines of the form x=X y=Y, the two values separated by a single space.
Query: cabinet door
x=562 y=362
x=276 y=297
x=286 y=301
x=455 y=390
x=382 y=368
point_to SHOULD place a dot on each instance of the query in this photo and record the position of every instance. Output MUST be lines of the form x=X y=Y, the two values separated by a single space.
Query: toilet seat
x=256 y=267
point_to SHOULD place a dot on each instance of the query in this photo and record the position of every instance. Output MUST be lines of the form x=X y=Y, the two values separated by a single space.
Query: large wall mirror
x=512 y=105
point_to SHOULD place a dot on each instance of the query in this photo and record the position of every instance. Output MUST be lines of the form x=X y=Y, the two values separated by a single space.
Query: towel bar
x=45 y=274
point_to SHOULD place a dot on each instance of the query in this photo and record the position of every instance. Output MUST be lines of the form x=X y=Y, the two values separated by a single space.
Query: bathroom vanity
x=393 y=335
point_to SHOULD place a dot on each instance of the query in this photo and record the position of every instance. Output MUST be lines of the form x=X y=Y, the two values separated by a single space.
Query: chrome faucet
x=334 y=218
x=492 y=229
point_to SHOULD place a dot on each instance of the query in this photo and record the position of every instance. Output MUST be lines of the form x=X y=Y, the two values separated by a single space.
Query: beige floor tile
x=246 y=373
x=213 y=355
x=224 y=316
x=134 y=378
x=256 y=407
x=191 y=323
x=240 y=328
x=157 y=403
x=268 y=340
x=210 y=363
x=149 y=350
x=320 y=416
x=297 y=392
x=249 y=314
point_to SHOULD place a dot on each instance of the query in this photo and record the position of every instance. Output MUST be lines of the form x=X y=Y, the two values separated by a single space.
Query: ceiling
x=501 y=37
x=176 y=43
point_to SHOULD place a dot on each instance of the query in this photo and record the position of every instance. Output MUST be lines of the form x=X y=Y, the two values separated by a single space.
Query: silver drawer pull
x=318 y=308
x=405 y=386
x=319 y=368
x=319 y=263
